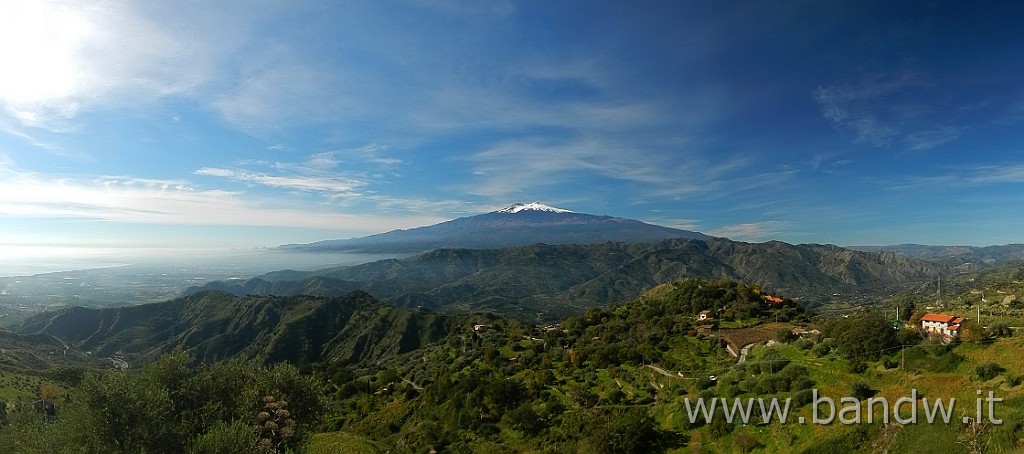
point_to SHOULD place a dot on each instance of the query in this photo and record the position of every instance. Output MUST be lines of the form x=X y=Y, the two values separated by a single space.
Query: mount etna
x=519 y=224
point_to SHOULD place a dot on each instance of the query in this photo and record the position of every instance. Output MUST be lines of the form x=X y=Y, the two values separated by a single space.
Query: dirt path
x=665 y=372
x=743 y=353
x=660 y=370
x=414 y=385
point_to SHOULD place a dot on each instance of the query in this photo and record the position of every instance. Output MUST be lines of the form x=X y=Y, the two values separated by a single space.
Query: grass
x=20 y=389
x=334 y=442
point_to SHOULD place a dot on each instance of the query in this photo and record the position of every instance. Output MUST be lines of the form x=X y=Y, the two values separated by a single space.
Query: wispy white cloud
x=280 y=92
x=852 y=108
x=324 y=160
x=375 y=154
x=982 y=175
x=25 y=194
x=422 y=205
x=640 y=171
x=510 y=167
x=684 y=224
x=34 y=142
x=928 y=139
x=887 y=110
x=344 y=174
x=1013 y=173
x=753 y=231
x=336 y=187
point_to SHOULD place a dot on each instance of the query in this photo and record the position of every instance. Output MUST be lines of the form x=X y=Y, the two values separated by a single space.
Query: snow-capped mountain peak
x=532 y=206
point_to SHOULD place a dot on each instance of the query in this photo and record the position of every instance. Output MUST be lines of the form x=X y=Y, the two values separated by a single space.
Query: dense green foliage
x=169 y=407
x=864 y=335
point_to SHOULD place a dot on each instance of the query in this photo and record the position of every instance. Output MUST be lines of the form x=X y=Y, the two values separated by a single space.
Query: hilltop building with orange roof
x=945 y=325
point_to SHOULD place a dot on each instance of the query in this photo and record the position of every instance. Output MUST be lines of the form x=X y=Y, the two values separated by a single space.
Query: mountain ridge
x=213 y=325
x=546 y=282
x=963 y=258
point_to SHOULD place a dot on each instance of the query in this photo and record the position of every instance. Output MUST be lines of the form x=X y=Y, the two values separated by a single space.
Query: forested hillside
x=212 y=326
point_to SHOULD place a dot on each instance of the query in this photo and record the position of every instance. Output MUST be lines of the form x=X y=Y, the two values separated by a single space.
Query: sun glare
x=39 y=44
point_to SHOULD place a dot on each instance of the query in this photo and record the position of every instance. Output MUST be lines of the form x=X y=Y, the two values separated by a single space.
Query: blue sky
x=246 y=124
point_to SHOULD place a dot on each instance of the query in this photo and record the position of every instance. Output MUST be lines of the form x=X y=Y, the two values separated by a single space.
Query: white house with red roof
x=946 y=325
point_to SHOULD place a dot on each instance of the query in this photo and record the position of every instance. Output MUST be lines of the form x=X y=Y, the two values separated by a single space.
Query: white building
x=945 y=325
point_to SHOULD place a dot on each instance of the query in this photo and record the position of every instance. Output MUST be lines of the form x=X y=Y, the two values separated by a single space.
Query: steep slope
x=516 y=225
x=27 y=352
x=550 y=281
x=303 y=285
x=215 y=325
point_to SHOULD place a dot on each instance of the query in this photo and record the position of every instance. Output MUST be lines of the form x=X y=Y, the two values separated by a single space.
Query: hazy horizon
x=240 y=262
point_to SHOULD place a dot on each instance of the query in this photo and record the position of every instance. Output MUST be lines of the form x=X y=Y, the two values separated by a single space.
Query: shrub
x=772 y=361
x=1012 y=379
x=862 y=335
x=620 y=431
x=225 y=438
x=857 y=365
x=705 y=382
x=999 y=329
x=889 y=362
x=908 y=337
x=803 y=344
x=729 y=391
x=861 y=390
x=801 y=384
x=803 y=397
x=783 y=335
x=775 y=383
x=988 y=370
x=524 y=419
x=822 y=348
